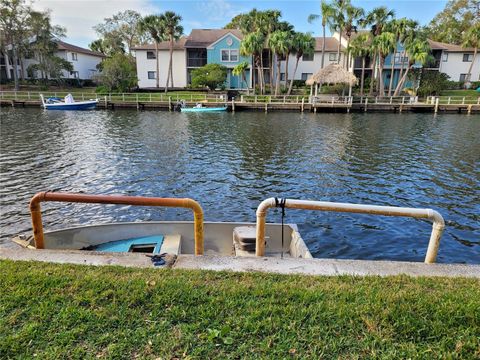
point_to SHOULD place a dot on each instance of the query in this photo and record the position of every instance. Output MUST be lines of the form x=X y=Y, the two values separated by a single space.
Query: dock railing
x=437 y=219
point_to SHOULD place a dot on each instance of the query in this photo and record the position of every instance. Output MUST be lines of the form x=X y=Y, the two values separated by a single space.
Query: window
x=282 y=76
x=463 y=77
x=307 y=57
x=467 y=57
x=151 y=74
x=445 y=57
x=230 y=55
x=399 y=59
x=332 y=57
x=151 y=55
x=74 y=74
x=305 y=76
x=74 y=56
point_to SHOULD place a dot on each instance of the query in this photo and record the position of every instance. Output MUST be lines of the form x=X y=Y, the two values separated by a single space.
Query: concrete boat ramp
x=325 y=267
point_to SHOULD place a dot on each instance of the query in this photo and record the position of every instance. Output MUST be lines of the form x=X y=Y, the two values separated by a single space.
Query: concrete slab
x=324 y=266
x=81 y=257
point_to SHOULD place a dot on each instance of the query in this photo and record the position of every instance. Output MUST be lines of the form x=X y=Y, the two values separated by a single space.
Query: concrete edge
x=326 y=267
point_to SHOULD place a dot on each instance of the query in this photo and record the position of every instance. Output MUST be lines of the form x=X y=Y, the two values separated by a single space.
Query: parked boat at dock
x=203 y=109
x=68 y=103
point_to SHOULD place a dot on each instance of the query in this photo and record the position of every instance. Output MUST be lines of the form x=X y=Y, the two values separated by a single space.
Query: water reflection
x=230 y=162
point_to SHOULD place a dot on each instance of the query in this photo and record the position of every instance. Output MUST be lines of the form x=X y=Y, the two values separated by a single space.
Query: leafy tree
x=119 y=73
x=451 y=24
x=279 y=44
x=154 y=25
x=361 y=46
x=302 y=43
x=109 y=45
x=472 y=39
x=51 y=67
x=240 y=70
x=172 y=30
x=235 y=23
x=210 y=75
x=327 y=15
x=432 y=83
x=124 y=26
x=14 y=16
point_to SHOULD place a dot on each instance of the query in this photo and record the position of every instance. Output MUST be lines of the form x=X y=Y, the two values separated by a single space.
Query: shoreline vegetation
x=75 y=311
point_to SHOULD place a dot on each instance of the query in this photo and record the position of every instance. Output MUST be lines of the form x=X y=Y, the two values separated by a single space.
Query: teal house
x=226 y=51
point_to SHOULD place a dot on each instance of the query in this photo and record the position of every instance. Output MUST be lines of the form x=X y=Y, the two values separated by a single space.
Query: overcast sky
x=79 y=16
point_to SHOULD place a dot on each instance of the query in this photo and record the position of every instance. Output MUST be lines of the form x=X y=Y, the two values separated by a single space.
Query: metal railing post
x=435 y=236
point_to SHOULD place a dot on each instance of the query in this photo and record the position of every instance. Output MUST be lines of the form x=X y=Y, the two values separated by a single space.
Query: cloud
x=79 y=16
x=219 y=10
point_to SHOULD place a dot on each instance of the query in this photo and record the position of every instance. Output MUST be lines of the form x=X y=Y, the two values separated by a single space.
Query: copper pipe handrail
x=37 y=224
x=437 y=219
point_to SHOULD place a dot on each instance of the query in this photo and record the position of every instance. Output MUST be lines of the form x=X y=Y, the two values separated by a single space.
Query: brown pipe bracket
x=36 y=214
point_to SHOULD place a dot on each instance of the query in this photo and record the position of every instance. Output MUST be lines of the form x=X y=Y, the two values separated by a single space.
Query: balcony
x=196 y=57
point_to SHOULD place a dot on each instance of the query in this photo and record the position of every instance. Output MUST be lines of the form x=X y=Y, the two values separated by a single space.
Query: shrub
x=432 y=83
x=210 y=75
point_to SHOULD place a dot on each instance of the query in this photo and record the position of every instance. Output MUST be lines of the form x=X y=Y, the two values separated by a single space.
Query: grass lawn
x=77 y=312
x=473 y=93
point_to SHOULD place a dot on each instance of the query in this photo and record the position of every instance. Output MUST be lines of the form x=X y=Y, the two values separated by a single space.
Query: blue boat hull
x=203 y=109
x=84 y=105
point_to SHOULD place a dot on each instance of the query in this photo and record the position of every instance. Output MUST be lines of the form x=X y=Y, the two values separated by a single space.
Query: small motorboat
x=68 y=103
x=202 y=109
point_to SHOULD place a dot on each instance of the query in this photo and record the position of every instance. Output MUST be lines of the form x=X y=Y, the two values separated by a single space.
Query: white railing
x=454 y=100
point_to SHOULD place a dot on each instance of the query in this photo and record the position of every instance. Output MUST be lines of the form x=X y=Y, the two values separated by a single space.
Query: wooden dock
x=265 y=103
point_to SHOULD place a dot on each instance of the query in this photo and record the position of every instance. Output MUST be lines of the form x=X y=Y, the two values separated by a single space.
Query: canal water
x=231 y=162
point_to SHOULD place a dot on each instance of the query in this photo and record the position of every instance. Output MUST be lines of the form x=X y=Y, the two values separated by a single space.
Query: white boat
x=68 y=103
x=198 y=238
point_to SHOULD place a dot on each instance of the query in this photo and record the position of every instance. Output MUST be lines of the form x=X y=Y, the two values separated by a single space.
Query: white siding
x=310 y=67
x=455 y=66
x=85 y=64
x=145 y=65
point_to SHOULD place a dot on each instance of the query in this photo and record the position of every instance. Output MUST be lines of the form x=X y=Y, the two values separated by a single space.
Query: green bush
x=432 y=83
x=210 y=75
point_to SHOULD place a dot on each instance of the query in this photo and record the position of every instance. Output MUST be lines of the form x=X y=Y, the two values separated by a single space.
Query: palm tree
x=278 y=45
x=418 y=51
x=384 y=45
x=173 y=31
x=252 y=45
x=399 y=28
x=361 y=46
x=409 y=35
x=327 y=14
x=303 y=43
x=240 y=70
x=377 y=18
x=353 y=16
x=154 y=26
x=339 y=21
x=472 y=39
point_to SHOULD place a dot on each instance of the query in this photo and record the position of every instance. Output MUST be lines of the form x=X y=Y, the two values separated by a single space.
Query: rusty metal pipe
x=37 y=224
x=437 y=228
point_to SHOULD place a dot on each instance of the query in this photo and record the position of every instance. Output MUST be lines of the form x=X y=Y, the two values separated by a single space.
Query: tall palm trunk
x=381 y=84
x=277 y=75
x=469 y=74
x=286 y=68
x=169 y=72
x=402 y=81
x=323 y=47
x=15 y=66
x=262 y=78
x=157 y=78
x=270 y=68
x=348 y=54
x=293 y=77
x=374 y=68
x=402 y=68
x=392 y=70
x=362 y=78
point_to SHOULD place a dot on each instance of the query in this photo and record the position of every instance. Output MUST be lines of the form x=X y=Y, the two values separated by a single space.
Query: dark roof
x=69 y=47
x=436 y=45
x=331 y=44
x=202 y=38
x=164 y=45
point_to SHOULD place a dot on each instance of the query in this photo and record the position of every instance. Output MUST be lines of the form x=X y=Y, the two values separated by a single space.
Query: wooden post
x=469 y=109
x=284 y=99
x=449 y=98
x=266 y=107
x=233 y=104
x=366 y=103
x=255 y=99
x=376 y=99
x=169 y=103
x=138 y=105
x=463 y=101
x=123 y=97
x=436 y=104
x=391 y=98
x=400 y=108
x=241 y=98
x=303 y=103
x=29 y=95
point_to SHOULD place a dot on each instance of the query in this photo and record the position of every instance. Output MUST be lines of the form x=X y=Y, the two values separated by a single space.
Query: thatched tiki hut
x=331 y=74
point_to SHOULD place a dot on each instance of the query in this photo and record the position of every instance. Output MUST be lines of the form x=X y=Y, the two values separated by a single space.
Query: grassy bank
x=67 y=311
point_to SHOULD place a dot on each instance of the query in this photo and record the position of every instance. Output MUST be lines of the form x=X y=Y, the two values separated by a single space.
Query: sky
x=79 y=16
